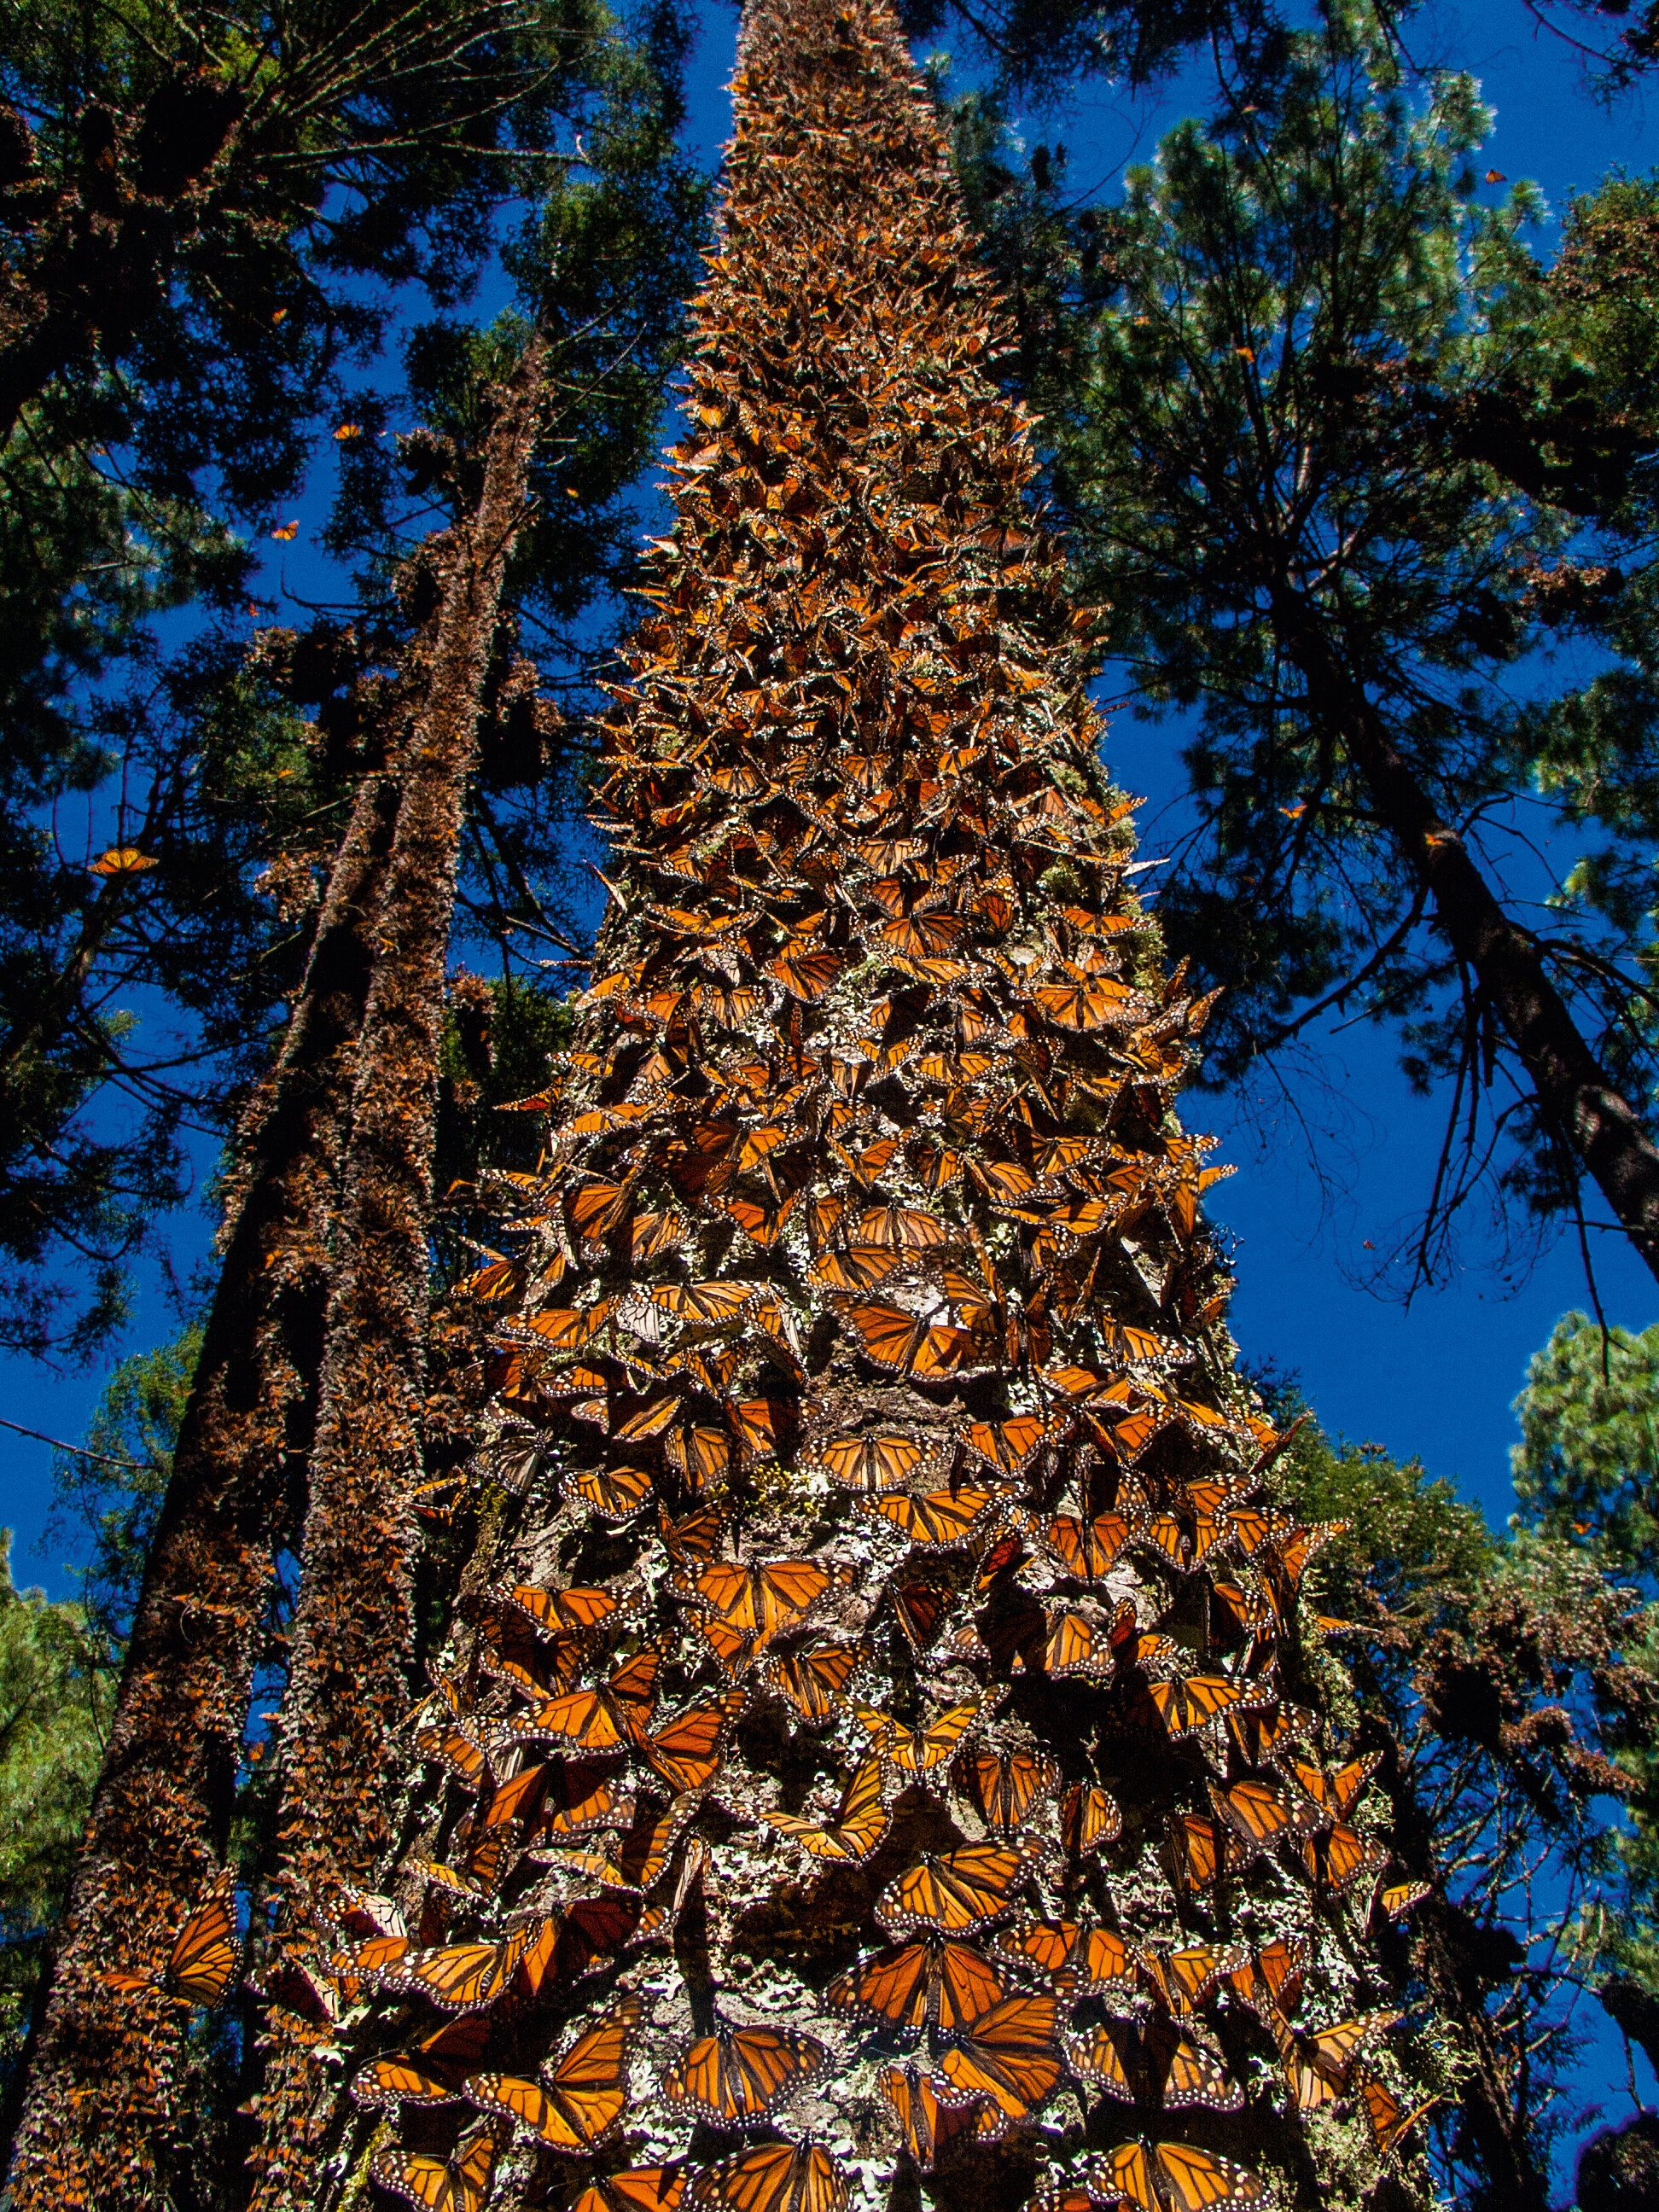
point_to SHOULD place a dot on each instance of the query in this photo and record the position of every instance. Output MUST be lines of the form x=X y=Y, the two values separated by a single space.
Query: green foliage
x=1333 y=448
x=57 y=1699
x=1587 y=1466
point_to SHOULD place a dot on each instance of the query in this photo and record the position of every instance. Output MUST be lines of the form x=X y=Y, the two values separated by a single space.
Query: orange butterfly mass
x=886 y=1666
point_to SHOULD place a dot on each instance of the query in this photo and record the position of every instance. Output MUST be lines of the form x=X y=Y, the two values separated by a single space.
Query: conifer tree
x=880 y=1739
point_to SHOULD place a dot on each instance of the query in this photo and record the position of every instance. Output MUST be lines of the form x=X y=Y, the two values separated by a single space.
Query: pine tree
x=313 y=1362
x=879 y=1733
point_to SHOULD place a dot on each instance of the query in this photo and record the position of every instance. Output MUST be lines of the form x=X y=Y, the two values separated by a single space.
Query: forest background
x=1334 y=1166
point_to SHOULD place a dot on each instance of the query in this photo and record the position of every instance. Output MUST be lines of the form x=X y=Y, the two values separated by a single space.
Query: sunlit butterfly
x=583 y=1795
x=757 y=1599
x=635 y=2188
x=467 y=1977
x=918 y=1751
x=1259 y=1733
x=1341 y=1858
x=697 y=1537
x=1089 y=1817
x=1155 y=2066
x=612 y=1492
x=1270 y=1980
x=937 y=1521
x=686 y=1751
x=1259 y=1816
x=598 y=1719
x=872 y=1463
x=389 y=2082
x=857 y=1828
x=931 y=1982
x=202 y=1963
x=1180 y=1979
x=457 y=2184
x=1192 y=1701
x=1388 y=2121
x=565 y=1612
x=1336 y=1795
x=778 y=2178
x=1008 y=2054
x=577 y=2104
x=920 y=1609
x=955 y=1893
x=1072 y=1646
x=1394 y=1902
x=636 y=1859
x=1078 y=1959
x=861 y=1267
x=1005 y=1785
x=903 y=1228
x=449 y=1744
x=739 y=2074
x=815 y=1680
x=930 y=2114
x=1317 y=2062
x=1175 y=2178
x=1008 y=1445
x=1088 y=1550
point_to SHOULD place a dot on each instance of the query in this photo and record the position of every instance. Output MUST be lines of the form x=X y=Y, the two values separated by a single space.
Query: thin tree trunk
x=874 y=1427
x=101 y=2095
x=349 y=1684
x=1578 y=1098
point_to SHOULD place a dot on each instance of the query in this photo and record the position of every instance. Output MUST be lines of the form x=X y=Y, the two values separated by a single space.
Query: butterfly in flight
x=580 y=2102
x=737 y=2075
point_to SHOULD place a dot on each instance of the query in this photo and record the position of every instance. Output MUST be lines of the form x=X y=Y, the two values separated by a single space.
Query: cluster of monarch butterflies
x=884 y=1540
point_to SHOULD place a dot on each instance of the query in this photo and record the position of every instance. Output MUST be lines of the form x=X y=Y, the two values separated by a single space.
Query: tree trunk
x=890 y=1592
x=349 y=1684
x=101 y=2098
x=1576 y=1095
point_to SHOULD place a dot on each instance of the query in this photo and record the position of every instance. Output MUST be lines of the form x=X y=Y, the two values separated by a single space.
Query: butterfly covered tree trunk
x=353 y=1634
x=104 y=2083
x=882 y=1745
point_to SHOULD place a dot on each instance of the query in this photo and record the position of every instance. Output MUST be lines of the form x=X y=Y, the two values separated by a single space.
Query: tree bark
x=1577 y=1095
x=101 y=2099
x=349 y=1684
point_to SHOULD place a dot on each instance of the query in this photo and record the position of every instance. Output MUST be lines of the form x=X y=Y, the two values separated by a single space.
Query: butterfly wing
x=203 y=1960
x=1191 y=2180
x=1008 y=2055
x=777 y=2178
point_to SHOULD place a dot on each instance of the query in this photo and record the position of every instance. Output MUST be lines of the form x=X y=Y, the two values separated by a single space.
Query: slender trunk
x=349 y=1673
x=886 y=1498
x=1578 y=1099
x=101 y=2097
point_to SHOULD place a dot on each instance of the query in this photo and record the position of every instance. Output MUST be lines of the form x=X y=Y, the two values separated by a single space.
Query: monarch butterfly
x=635 y=2188
x=466 y=1976
x=1088 y=1550
x=1089 y=1817
x=705 y=1305
x=1155 y=2066
x=127 y=860
x=1335 y=1795
x=1259 y=1731
x=637 y=1860
x=955 y=1893
x=815 y=1681
x=1006 y=1784
x=760 y=1598
x=1076 y=1959
x=568 y=1328
x=613 y=1493
x=591 y=1929
x=579 y=2103
x=1186 y=1542
x=931 y=1983
x=857 y=1828
x=1399 y=1900
x=1178 y=2177
x=918 y=1751
x=697 y=1537
x=583 y=1795
x=698 y=1452
x=400 y=2081
x=595 y=1719
x=1258 y=1816
x=755 y=1424
x=939 y=1521
x=687 y=1752
x=1203 y=1849
x=597 y=1208
x=898 y=1341
x=739 y=2074
x=872 y=1463
x=1382 y=2110
x=929 y=2114
x=456 y=1747
x=805 y=972
x=1317 y=2064
x=202 y=1963
x=1008 y=2055
x=1192 y=1701
x=1011 y=1445
x=458 y=2184
x=1270 y=1980
x=921 y=1607
x=561 y=1613
x=778 y=2178
x=1087 y=1005
x=1339 y=1859
x=903 y=1228
x=1181 y=1980
x=1070 y=1647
